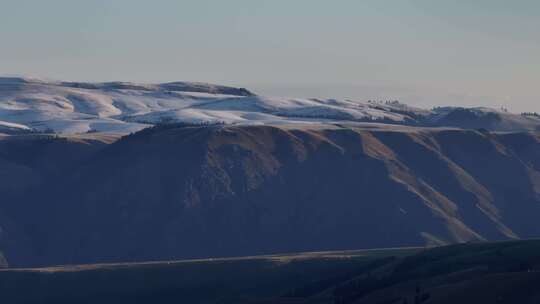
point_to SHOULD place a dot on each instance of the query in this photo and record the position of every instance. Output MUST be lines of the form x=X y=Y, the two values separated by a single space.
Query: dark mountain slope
x=182 y=191
x=3 y=261
x=191 y=192
x=29 y=165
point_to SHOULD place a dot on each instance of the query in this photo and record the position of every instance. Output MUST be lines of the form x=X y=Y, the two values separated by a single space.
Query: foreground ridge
x=408 y=275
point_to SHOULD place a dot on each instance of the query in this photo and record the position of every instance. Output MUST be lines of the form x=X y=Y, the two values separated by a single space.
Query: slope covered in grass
x=185 y=191
x=236 y=280
x=504 y=272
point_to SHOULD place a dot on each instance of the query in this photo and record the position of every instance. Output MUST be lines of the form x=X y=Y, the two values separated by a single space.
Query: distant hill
x=190 y=191
x=483 y=118
x=123 y=108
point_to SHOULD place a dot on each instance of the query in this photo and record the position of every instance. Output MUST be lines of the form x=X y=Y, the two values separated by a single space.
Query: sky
x=423 y=52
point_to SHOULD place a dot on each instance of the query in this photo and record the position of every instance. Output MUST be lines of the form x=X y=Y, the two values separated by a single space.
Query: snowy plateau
x=33 y=105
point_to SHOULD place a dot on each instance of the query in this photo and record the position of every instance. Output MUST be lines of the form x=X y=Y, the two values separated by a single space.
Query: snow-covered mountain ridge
x=122 y=107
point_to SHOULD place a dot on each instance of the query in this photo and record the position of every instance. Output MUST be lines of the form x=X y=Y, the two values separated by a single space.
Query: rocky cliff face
x=184 y=191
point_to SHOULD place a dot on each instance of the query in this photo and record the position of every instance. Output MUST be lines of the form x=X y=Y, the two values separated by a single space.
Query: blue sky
x=475 y=52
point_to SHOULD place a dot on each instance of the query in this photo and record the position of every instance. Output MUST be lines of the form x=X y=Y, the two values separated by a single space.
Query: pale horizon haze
x=425 y=53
